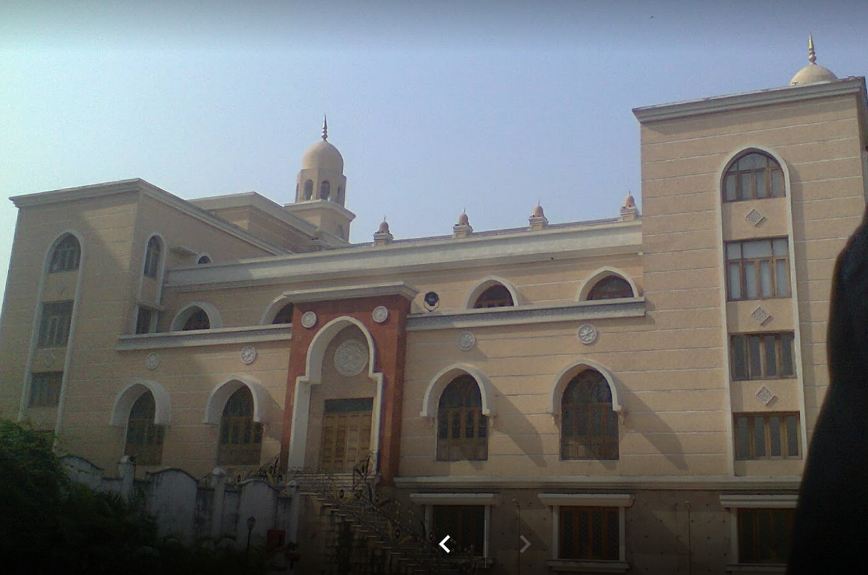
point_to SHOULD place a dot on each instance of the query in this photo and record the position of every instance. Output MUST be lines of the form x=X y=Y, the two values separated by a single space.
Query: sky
x=437 y=107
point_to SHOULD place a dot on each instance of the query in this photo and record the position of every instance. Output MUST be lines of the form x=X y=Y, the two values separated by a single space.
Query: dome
x=537 y=212
x=324 y=156
x=812 y=74
x=384 y=227
x=463 y=220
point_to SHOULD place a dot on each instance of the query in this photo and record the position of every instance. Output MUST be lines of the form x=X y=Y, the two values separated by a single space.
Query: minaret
x=321 y=187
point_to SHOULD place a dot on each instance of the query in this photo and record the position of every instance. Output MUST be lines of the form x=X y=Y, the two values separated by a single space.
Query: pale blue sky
x=436 y=106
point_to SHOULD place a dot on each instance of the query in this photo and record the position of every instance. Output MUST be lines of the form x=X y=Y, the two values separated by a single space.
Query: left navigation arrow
x=443 y=544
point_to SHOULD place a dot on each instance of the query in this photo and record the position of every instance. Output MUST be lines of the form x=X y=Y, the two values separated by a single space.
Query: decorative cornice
x=454 y=498
x=627 y=307
x=138 y=185
x=320 y=205
x=197 y=338
x=786 y=94
x=520 y=246
x=605 y=483
x=259 y=202
x=586 y=499
x=350 y=292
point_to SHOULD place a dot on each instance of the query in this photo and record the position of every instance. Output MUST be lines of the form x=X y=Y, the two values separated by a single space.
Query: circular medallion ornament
x=587 y=334
x=152 y=362
x=466 y=341
x=351 y=357
x=308 y=319
x=248 y=354
x=380 y=314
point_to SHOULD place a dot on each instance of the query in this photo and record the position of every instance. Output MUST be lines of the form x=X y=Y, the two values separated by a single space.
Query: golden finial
x=812 y=56
x=325 y=128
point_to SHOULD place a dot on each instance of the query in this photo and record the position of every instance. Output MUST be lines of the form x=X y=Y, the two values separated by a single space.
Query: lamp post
x=251 y=523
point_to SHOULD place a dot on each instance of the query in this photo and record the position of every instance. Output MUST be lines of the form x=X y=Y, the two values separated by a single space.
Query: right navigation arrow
x=526 y=544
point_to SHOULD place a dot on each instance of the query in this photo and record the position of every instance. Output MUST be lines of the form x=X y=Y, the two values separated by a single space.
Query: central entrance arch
x=337 y=403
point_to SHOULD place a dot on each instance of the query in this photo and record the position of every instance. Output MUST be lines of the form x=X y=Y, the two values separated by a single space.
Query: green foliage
x=49 y=524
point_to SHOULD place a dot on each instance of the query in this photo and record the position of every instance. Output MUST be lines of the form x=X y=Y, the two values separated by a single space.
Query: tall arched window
x=340 y=194
x=66 y=256
x=610 y=287
x=144 y=438
x=462 y=430
x=240 y=436
x=284 y=315
x=589 y=425
x=753 y=175
x=495 y=296
x=308 y=190
x=152 y=257
x=325 y=190
x=197 y=320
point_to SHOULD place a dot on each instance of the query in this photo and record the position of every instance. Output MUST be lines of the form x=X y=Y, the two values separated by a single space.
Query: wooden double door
x=346 y=434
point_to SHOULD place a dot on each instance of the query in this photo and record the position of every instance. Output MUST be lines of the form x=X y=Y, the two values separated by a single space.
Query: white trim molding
x=222 y=392
x=128 y=396
x=214 y=319
x=575 y=368
x=445 y=376
x=528 y=314
x=769 y=501
x=313 y=376
x=601 y=273
x=273 y=309
x=203 y=337
x=351 y=292
x=486 y=283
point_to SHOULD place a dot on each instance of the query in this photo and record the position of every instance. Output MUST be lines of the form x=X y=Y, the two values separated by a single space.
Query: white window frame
x=429 y=500
x=557 y=500
x=732 y=503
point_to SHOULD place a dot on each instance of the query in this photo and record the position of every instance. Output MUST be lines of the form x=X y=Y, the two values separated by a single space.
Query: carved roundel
x=248 y=354
x=380 y=314
x=351 y=357
x=152 y=362
x=308 y=319
x=587 y=334
x=466 y=341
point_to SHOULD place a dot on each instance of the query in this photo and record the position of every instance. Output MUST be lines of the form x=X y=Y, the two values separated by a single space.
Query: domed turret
x=537 y=219
x=813 y=73
x=323 y=155
x=463 y=228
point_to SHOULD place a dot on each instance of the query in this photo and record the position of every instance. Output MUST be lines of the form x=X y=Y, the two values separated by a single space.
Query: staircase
x=368 y=533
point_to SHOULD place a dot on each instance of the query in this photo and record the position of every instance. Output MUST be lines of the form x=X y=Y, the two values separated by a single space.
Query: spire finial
x=812 y=56
x=325 y=127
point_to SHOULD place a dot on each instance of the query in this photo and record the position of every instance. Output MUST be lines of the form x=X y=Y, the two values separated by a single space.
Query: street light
x=251 y=523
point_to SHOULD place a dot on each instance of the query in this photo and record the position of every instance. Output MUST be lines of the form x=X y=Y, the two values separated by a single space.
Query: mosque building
x=635 y=393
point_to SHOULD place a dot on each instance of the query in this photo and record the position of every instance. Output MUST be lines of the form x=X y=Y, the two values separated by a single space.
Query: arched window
x=66 y=256
x=308 y=190
x=197 y=320
x=340 y=194
x=610 y=287
x=144 y=438
x=753 y=175
x=462 y=430
x=495 y=296
x=240 y=436
x=589 y=425
x=325 y=189
x=204 y=259
x=284 y=315
x=152 y=257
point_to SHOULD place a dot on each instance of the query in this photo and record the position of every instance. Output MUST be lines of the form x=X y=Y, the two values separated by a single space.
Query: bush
x=49 y=524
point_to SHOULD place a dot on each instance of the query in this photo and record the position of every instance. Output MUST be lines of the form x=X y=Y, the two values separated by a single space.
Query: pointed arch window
x=753 y=176
x=589 y=425
x=152 y=257
x=284 y=315
x=308 y=190
x=462 y=429
x=144 y=438
x=240 y=436
x=495 y=296
x=325 y=190
x=610 y=287
x=198 y=320
x=66 y=255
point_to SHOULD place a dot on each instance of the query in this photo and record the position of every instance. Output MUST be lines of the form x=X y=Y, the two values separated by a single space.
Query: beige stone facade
x=682 y=487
